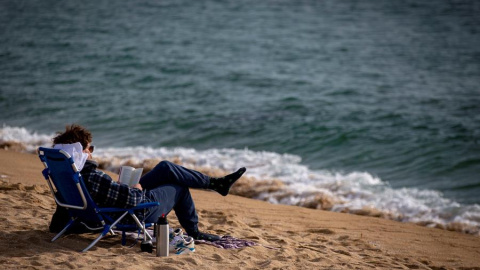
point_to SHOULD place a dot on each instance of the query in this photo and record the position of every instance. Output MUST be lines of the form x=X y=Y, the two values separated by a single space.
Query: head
x=72 y=134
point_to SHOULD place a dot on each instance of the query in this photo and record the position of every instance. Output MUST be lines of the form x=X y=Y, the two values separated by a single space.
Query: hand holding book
x=129 y=176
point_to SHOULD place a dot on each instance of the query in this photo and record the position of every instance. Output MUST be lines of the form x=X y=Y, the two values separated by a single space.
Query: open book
x=129 y=176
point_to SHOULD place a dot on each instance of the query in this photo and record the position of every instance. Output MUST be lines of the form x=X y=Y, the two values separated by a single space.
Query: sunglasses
x=91 y=148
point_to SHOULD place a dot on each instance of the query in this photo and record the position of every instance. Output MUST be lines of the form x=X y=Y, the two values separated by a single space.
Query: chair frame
x=100 y=213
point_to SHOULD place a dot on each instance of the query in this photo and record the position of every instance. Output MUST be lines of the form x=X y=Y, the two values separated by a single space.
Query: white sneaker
x=174 y=233
x=182 y=245
x=174 y=237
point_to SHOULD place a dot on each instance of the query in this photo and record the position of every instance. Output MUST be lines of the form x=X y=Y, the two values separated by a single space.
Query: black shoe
x=222 y=185
x=207 y=237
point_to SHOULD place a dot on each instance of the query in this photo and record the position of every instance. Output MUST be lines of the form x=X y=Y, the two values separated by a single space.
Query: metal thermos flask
x=162 y=234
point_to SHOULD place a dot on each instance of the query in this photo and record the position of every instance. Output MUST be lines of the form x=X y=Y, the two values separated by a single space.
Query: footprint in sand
x=275 y=239
x=344 y=252
x=322 y=231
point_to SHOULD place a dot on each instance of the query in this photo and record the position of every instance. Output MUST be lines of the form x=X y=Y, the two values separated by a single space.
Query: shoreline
x=358 y=193
x=301 y=238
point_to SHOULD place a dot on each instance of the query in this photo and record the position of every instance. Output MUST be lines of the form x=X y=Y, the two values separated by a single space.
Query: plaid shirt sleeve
x=108 y=193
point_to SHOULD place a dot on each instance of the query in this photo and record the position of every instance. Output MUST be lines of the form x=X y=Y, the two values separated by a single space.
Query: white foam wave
x=350 y=191
x=31 y=140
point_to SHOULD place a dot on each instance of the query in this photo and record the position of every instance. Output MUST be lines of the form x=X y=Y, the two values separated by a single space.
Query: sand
x=289 y=237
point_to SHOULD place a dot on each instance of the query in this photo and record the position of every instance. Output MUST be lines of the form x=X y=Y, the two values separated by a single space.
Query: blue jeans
x=169 y=184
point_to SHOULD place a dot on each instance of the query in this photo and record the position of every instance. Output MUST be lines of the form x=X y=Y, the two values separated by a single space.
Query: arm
x=106 y=192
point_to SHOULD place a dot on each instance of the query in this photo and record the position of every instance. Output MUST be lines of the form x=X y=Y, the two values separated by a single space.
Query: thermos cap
x=162 y=220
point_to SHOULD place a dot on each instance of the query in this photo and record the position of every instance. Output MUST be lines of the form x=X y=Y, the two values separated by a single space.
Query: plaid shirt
x=106 y=192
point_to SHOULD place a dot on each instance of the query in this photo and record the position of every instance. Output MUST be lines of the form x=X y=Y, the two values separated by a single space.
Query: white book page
x=125 y=175
x=136 y=175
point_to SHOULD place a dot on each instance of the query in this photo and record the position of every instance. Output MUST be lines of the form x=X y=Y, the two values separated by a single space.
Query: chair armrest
x=138 y=207
x=145 y=205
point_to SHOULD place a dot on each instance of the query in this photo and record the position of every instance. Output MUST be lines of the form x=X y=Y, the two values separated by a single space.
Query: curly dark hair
x=72 y=134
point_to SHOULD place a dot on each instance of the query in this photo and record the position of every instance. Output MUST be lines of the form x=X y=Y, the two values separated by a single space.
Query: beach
x=287 y=237
x=358 y=123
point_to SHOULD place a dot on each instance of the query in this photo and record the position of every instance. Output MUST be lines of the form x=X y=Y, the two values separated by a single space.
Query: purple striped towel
x=228 y=242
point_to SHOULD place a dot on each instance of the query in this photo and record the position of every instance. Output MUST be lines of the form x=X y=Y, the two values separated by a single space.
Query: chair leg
x=107 y=229
x=69 y=224
x=104 y=232
x=124 y=238
x=142 y=226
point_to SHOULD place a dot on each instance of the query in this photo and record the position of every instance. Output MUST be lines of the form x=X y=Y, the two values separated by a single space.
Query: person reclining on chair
x=167 y=183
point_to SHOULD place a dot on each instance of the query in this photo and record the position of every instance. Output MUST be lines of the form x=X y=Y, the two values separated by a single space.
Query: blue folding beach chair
x=69 y=191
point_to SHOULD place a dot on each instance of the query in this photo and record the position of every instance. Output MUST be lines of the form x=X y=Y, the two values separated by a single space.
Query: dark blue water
x=391 y=88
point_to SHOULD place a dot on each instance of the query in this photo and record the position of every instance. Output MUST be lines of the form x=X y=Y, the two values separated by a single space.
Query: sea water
x=371 y=104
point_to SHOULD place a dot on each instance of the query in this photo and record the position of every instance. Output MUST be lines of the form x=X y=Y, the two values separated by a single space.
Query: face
x=89 y=150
